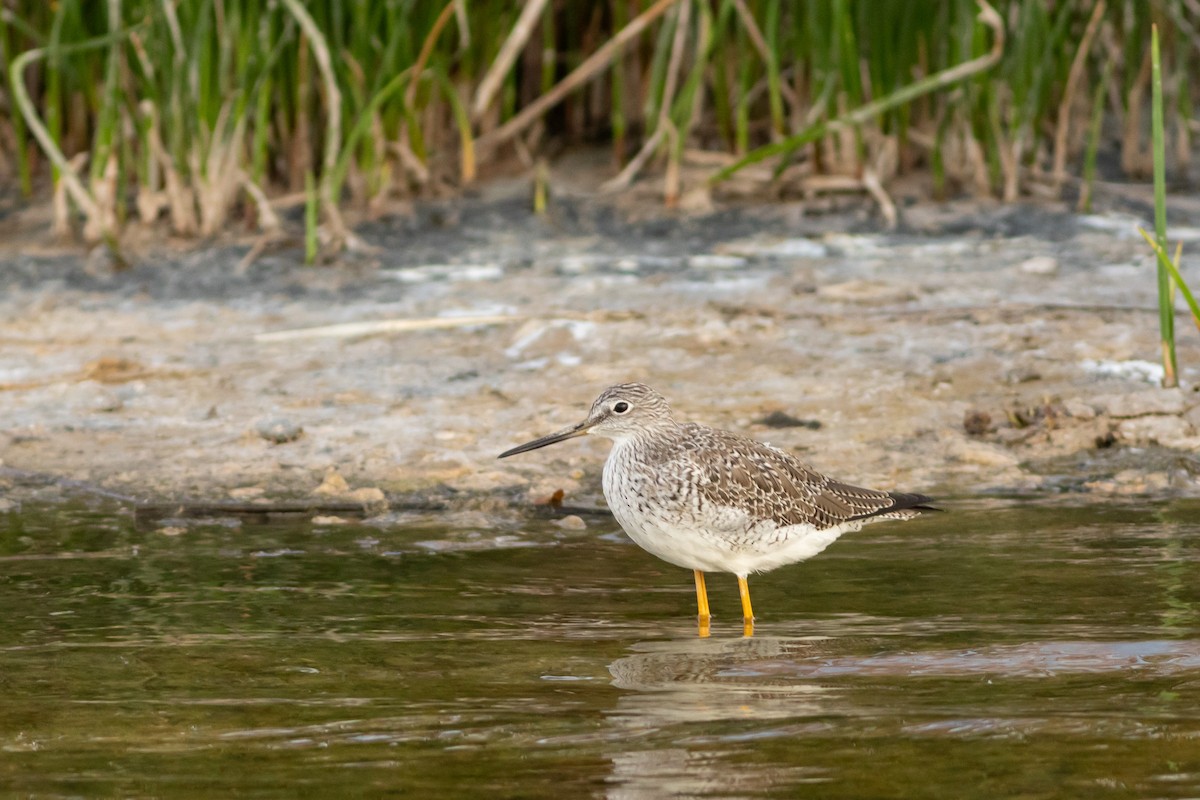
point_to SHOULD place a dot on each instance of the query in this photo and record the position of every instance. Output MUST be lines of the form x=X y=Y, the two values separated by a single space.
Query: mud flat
x=975 y=349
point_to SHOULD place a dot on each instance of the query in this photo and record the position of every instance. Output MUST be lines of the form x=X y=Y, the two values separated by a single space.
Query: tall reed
x=199 y=112
x=1169 y=278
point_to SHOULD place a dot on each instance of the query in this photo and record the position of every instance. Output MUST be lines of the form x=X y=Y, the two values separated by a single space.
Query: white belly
x=709 y=538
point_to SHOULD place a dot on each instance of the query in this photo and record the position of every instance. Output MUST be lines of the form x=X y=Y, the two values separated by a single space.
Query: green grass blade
x=1172 y=268
x=1166 y=310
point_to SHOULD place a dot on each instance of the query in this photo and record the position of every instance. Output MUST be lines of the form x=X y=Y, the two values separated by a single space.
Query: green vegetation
x=202 y=111
x=1169 y=277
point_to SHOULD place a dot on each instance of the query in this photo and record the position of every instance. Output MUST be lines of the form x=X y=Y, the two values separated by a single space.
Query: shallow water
x=1007 y=648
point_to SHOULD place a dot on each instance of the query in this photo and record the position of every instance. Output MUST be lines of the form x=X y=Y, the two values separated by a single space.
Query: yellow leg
x=747 y=609
x=703 y=616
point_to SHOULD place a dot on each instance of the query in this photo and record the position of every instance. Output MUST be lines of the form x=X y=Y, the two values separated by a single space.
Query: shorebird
x=712 y=501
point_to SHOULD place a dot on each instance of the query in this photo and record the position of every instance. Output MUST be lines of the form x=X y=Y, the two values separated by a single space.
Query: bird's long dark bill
x=568 y=433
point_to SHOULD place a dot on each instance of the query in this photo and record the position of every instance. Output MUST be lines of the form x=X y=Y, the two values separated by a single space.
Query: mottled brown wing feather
x=772 y=485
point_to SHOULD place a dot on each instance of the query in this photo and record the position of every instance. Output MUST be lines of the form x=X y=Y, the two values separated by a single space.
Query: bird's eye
x=621 y=407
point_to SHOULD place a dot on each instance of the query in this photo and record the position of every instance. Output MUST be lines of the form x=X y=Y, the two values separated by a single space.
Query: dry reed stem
x=504 y=59
x=1059 y=173
x=268 y=220
x=410 y=92
x=596 y=63
x=760 y=44
x=626 y=176
x=864 y=113
x=333 y=126
x=887 y=208
x=67 y=174
x=350 y=329
x=1133 y=158
x=683 y=18
x=663 y=127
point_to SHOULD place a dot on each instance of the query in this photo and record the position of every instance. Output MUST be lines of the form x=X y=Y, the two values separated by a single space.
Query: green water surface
x=1009 y=648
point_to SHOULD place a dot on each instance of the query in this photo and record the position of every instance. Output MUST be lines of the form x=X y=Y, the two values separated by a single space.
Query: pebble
x=571 y=522
x=782 y=419
x=1039 y=265
x=246 y=492
x=715 y=261
x=977 y=422
x=1079 y=409
x=321 y=520
x=371 y=497
x=279 y=430
x=107 y=403
x=334 y=485
x=490 y=480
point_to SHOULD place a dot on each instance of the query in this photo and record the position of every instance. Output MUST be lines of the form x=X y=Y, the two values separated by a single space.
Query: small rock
x=782 y=419
x=172 y=530
x=7 y=505
x=371 y=497
x=1079 y=409
x=571 y=523
x=978 y=423
x=1143 y=403
x=543 y=491
x=1023 y=375
x=113 y=370
x=488 y=481
x=982 y=453
x=849 y=244
x=320 y=520
x=279 y=430
x=107 y=403
x=1039 y=265
x=1161 y=430
x=860 y=291
x=334 y=485
x=246 y=492
x=713 y=261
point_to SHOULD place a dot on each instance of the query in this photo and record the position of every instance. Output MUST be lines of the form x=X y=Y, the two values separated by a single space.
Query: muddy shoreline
x=976 y=349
